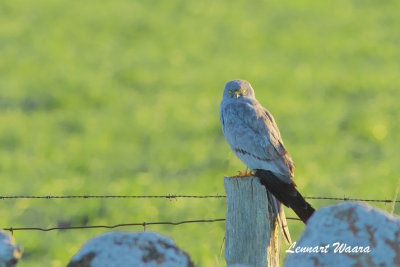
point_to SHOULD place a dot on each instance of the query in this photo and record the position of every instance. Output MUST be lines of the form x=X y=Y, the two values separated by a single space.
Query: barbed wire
x=143 y=224
x=355 y=199
x=173 y=196
x=108 y=196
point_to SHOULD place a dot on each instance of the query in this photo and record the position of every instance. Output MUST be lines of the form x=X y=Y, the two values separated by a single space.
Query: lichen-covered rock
x=348 y=234
x=144 y=249
x=9 y=252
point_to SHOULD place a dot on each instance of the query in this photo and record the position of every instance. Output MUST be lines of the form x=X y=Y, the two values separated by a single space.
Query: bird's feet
x=245 y=173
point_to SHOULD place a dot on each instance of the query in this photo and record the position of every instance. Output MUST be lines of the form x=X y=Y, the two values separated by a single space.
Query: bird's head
x=237 y=89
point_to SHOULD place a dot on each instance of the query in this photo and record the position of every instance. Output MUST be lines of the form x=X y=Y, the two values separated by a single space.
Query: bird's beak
x=237 y=93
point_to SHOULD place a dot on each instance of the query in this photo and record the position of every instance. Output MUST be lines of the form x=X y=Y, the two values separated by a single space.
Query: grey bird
x=255 y=139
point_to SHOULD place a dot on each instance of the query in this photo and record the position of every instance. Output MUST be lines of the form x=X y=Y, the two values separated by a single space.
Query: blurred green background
x=122 y=97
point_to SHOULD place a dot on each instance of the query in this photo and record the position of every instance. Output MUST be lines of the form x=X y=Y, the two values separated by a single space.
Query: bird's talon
x=243 y=174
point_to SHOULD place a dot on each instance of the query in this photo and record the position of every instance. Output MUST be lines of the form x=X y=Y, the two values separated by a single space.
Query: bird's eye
x=243 y=91
x=230 y=91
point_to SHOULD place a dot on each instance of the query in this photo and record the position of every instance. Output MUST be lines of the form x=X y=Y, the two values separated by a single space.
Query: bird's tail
x=280 y=216
x=286 y=193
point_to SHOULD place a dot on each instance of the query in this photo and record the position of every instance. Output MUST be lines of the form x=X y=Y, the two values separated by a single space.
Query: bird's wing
x=251 y=130
x=286 y=193
x=276 y=140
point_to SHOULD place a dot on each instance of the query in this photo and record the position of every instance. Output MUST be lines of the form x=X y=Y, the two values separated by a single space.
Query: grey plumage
x=255 y=139
x=252 y=132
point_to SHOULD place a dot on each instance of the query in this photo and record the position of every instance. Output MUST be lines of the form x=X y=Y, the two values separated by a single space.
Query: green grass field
x=122 y=97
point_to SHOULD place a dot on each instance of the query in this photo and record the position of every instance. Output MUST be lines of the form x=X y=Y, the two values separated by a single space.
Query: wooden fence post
x=251 y=234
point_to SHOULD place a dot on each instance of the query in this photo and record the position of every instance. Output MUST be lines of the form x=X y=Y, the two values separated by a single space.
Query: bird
x=254 y=137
